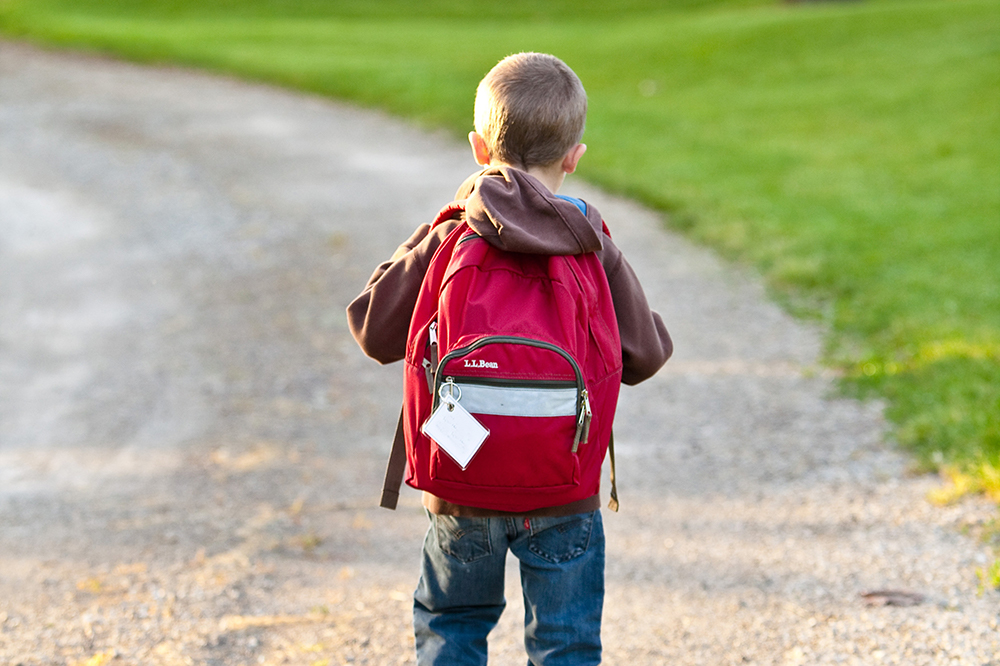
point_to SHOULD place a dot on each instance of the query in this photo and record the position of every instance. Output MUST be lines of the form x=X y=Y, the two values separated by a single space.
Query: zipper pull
x=583 y=422
x=430 y=365
x=429 y=375
x=433 y=333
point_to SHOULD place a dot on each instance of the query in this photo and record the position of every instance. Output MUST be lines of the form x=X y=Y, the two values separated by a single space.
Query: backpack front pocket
x=530 y=396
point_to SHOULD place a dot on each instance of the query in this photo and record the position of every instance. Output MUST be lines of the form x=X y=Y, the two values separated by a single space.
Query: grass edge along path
x=883 y=114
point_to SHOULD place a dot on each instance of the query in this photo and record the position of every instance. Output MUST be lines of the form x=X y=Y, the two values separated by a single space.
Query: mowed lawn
x=850 y=151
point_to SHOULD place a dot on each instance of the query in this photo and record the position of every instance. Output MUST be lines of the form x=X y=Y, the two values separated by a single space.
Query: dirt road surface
x=191 y=445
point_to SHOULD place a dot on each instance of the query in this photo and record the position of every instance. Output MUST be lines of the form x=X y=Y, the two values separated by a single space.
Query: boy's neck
x=551 y=177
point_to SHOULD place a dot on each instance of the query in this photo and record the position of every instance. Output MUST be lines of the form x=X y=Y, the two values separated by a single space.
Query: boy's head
x=530 y=110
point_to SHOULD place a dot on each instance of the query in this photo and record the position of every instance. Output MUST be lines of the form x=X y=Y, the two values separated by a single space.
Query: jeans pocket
x=559 y=539
x=464 y=539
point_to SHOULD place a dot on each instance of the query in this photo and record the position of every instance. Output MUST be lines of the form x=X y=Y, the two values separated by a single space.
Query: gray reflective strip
x=518 y=401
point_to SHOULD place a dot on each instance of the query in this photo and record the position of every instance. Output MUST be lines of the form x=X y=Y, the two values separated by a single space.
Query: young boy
x=529 y=118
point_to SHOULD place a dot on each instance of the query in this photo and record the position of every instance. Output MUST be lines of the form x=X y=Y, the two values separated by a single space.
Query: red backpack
x=527 y=345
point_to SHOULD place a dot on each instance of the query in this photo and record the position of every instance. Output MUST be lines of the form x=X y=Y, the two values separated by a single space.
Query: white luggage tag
x=453 y=428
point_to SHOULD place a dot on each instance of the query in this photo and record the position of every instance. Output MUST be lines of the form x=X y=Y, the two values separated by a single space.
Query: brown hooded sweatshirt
x=513 y=211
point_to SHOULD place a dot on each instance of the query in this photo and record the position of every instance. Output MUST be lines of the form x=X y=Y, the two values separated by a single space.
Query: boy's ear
x=479 y=149
x=573 y=158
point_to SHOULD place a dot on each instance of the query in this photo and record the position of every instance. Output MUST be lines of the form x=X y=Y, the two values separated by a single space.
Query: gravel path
x=191 y=445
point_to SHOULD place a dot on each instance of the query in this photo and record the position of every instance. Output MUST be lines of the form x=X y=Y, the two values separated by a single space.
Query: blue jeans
x=460 y=595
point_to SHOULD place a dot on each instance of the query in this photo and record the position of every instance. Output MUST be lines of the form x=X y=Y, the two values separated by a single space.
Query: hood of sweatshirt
x=513 y=211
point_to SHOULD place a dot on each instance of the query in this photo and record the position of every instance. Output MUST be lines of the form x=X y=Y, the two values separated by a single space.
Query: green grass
x=850 y=151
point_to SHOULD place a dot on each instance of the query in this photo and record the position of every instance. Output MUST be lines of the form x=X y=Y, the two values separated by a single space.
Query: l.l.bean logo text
x=479 y=363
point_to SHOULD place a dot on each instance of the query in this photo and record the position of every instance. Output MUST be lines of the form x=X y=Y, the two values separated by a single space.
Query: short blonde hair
x=530 y=110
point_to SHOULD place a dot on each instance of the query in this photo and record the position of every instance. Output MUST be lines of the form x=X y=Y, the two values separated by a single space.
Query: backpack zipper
x=501 y=382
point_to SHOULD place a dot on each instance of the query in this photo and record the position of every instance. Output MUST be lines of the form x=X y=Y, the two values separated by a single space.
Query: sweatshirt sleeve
x=646 y=344
x=379 y=318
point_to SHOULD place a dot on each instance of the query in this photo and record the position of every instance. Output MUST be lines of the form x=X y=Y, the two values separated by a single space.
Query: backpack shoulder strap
x=395 y=469
x=613 y=503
